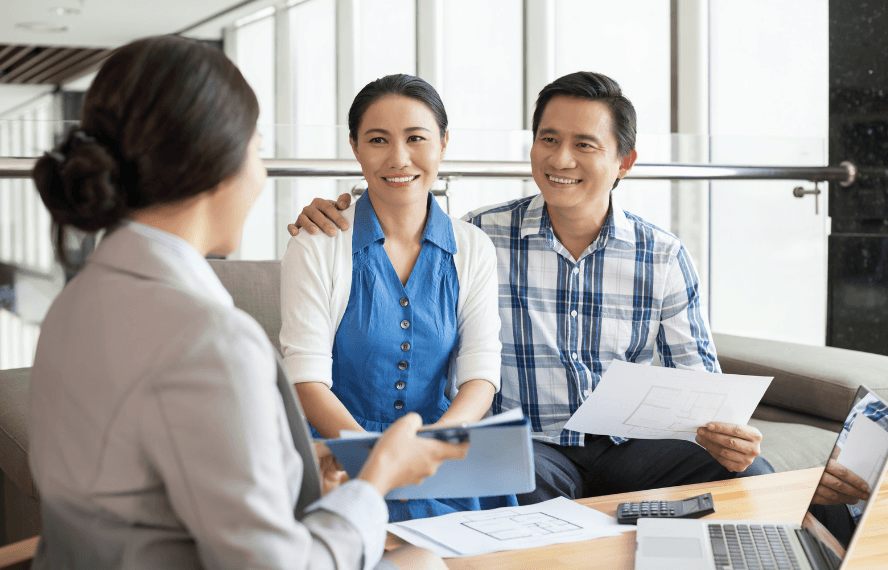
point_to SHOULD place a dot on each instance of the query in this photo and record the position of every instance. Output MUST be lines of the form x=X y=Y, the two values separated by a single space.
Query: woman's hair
x=398 y=84
x=166 y=118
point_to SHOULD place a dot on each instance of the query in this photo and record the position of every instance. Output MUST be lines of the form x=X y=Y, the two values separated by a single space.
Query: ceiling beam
x=28 y=64
x=25 y=50
x=74 y=58
x=34 y=70
x=5 y=51
x=80 y=69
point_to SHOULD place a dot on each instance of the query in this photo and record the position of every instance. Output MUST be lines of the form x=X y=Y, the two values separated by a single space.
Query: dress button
x=404 y=302
x=576 y=270
x=574 y=356
x=405 y=346
x=573 y=314
x=402 y=365
x=399 y=404
x=405 y=324
x=400 y=384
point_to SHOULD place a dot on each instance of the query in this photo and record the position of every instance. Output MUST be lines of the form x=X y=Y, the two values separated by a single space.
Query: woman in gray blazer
x=163 y=432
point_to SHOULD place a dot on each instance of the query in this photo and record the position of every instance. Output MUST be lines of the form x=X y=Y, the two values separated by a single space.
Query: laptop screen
x=852 y=475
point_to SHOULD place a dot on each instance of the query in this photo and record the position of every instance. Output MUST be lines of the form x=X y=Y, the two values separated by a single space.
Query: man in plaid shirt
x=583 y=283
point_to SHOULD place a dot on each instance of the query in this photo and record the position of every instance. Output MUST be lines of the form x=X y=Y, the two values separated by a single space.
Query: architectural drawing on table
x=657 y=412
x=509 y=525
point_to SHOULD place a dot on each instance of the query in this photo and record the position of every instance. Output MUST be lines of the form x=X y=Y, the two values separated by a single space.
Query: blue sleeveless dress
x=392 y=349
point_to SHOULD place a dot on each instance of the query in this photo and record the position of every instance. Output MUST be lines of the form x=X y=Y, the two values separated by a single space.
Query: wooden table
x=778 y=497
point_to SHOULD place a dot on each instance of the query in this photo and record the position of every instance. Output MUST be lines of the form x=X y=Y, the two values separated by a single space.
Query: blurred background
x=755 y=83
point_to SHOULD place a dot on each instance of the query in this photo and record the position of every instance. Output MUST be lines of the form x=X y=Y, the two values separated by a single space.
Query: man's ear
x=354 y=145
x=627 y=162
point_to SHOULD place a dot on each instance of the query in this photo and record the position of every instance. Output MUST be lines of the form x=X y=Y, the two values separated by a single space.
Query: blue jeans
x=604 y=468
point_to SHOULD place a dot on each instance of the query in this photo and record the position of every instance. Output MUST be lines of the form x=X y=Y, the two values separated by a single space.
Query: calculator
x=692 y=508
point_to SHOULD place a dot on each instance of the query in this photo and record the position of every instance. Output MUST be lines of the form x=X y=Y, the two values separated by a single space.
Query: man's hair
x=593 y=87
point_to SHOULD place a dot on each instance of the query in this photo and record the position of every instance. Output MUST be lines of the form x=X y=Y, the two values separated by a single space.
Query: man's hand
x=332 y=474
x=840 y=486
x=324 y=214
x=732 y=445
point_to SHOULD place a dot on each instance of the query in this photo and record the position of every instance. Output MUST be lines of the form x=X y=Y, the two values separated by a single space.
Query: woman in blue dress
x=399 y=312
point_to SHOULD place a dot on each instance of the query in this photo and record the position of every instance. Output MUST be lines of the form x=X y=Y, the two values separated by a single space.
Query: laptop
x=820 y=541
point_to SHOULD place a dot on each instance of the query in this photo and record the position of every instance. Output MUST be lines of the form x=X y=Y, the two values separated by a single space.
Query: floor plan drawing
x=508 y=525
x=666 y=411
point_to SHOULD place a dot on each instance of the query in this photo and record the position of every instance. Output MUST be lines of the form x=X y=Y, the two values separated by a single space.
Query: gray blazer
x=159 y=434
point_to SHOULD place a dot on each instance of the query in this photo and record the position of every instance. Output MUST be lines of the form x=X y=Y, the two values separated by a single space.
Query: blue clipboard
x=499 y=462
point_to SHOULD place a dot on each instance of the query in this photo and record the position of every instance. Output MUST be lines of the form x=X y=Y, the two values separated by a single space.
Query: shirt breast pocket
x=633 y=339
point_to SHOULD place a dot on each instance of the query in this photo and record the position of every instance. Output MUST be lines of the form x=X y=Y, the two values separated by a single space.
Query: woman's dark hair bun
x=165 y=119
x=79 y=182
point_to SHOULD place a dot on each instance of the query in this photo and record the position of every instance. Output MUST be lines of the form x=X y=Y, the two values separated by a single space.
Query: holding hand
x=400 y=457
x=332 y=473
x=733 y=445
x=323 y=214
x=840 y=486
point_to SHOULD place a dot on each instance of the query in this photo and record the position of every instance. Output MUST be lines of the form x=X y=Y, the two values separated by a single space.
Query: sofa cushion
x=255 y=287
x=14 y=429
x=789 y=447
x=816 y=380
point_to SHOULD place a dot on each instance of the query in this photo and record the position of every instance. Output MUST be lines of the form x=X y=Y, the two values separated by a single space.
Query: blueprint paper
x=471 y=533
x=655 y=402
x=864 y=452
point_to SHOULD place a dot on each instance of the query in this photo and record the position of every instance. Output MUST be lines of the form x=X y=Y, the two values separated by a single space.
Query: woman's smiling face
x=399 y=147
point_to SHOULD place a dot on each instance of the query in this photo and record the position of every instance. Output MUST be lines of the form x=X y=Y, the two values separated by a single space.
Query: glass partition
x=759 y=250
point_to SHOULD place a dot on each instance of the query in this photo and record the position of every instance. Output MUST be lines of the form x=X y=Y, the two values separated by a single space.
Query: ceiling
x=89 y=29
x=102 y=23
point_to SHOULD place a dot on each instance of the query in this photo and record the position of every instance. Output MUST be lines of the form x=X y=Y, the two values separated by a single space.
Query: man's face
x=574 y=156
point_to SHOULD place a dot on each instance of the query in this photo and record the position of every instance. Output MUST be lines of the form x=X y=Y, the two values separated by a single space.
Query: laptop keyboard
x=751 y=547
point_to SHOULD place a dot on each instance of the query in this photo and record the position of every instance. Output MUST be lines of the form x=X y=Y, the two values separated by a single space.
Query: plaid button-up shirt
x=634 y=290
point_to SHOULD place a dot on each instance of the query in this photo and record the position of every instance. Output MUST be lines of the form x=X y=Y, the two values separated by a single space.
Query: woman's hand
x=400 y=457
x=470 y=404
x=332 y=473
x=323 y=214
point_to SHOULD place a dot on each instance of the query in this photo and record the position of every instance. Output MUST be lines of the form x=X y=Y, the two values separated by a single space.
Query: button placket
x=406 y=347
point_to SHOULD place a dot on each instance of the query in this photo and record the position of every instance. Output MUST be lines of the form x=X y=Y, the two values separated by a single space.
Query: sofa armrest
x=18 y=555
x=815 y=380
x=14 y=428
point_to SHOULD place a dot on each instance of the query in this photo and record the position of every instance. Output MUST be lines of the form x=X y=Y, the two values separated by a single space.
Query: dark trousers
x=604 y=468
x=837 y=521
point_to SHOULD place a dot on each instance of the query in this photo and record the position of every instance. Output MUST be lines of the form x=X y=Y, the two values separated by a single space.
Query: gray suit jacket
x=159 y=434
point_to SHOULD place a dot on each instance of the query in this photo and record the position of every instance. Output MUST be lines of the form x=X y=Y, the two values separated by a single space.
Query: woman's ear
x=354 y=145
x=444 y=142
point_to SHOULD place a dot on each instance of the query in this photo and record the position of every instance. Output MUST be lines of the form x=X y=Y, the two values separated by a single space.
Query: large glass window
x=631 y=46
x=769 y=106
x=387 y=39
x=256 y=59
x=483 y=90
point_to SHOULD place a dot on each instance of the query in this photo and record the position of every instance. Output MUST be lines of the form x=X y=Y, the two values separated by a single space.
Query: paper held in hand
x=654 y=402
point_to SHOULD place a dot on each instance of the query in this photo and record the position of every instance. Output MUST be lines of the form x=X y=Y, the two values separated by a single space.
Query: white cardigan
x=316 y=277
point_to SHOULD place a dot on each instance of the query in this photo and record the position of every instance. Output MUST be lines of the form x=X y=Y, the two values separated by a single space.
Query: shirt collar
x=616 y=225
x=155 y=254
x=438 y=229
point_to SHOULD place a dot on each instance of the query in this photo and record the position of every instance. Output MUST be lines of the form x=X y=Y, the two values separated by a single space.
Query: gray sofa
x=799 y=415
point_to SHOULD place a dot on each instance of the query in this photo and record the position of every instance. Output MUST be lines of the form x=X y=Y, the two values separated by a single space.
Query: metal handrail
x=845 y=174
